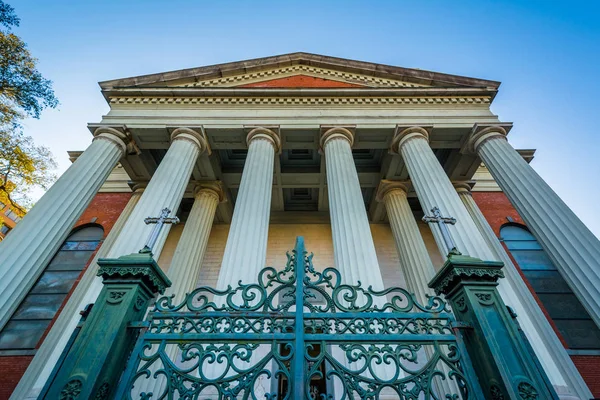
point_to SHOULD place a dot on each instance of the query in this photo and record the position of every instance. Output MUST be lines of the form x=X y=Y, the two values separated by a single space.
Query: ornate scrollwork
x=527 y=391
x=224 y=343
x=72 y=390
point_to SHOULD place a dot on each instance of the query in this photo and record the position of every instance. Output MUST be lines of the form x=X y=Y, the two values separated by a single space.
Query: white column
x=33 y=242
x=246 y=248
x=353 y=247
x=85 y=292
x=189 y=253
x=434 y=189
x=414 y=257
x=165 y=189
x=552 y=355
x=187 y=262
x=569 y=243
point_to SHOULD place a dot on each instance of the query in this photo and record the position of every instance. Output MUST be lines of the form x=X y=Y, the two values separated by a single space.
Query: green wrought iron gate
x=254 y=341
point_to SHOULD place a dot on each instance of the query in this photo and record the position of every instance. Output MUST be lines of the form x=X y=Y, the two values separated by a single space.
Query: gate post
x=93 y=365
x=501 y=358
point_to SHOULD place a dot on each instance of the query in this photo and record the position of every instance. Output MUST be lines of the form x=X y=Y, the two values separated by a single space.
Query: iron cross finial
x=442 y=224
x=162 y=219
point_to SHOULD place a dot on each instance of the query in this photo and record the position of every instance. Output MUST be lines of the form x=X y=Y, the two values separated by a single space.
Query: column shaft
x=85 y=292
x=552 y=355
x=414 y=257
x=165 y=189
x=434 y=189
x=246 y=248
x=33 y=242
x=187 y=260
x=353 y=247
x=569 y=243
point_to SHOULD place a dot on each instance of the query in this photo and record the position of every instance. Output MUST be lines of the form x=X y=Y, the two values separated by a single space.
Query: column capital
x=261 y=132
x=115 y=134
x=194 y=135
x=403 y=133
x=137 y=186
x=482 y=132
x=463 y=186
x=386 y=187
x=331 y=132
x=214 y=188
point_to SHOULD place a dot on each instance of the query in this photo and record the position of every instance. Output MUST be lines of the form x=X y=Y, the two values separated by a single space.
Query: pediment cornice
x=238 y=73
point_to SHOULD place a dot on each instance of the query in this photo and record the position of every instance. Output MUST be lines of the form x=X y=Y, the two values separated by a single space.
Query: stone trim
x=260 y=76
x=305 y=101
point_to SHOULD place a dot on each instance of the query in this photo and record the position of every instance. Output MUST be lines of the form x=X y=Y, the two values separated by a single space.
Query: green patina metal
x=94 y=363
x=506 y=366
x=307 y=333
x=304 y=331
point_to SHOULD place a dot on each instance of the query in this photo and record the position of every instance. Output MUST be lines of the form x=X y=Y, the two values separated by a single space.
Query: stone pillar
x=552 y=355
x=33 y=242
x=569 y=243
x=414 y=257
x=353 y=247
x=434 y=189
x=246 y=248
x=85 y=292
x=165 y=189
x=189 y=253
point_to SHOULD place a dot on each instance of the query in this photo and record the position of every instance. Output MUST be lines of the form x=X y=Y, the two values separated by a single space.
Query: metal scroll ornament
x=298 y=334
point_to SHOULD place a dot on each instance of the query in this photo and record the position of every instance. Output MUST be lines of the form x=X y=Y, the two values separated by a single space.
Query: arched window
x=568 y=314
x=38 y=308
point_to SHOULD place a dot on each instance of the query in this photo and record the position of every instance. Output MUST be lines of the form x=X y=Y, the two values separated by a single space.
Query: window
x=4 y=229
x=12 y=215
x=38 y=308
x=570 y=317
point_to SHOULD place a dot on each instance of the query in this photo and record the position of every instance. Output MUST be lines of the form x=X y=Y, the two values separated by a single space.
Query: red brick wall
x=11 y=370
x=589 y=368
x=106 y=208
x=300 y=81
x=496 y=207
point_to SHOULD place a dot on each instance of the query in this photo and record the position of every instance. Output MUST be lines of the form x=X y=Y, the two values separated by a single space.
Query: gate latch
x=461 y=325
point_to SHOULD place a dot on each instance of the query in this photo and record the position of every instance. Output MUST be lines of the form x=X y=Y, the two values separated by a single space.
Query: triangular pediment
x=299 y=70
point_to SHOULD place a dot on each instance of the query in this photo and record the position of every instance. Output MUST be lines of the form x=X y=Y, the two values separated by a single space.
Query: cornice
x=340 y=65
x=304 y=101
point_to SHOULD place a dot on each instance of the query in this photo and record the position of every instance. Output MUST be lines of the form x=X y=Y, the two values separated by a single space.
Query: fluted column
x=33 y=242
x=434 y=189
x=246 y=248
x=165 y=189
x=414 y=257
x=353 y=247
x=186 y=263
x=552 y=355
x=571 y=246
x=187 y=260
x=415 y=262
x=85 y=292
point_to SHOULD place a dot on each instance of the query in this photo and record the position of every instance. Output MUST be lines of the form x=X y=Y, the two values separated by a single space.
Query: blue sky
x=546 y=53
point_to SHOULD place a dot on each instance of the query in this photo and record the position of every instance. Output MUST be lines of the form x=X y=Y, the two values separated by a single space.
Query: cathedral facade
x=383 y=170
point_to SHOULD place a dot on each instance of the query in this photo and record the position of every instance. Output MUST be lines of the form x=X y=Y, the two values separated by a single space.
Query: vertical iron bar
x=299 y=373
